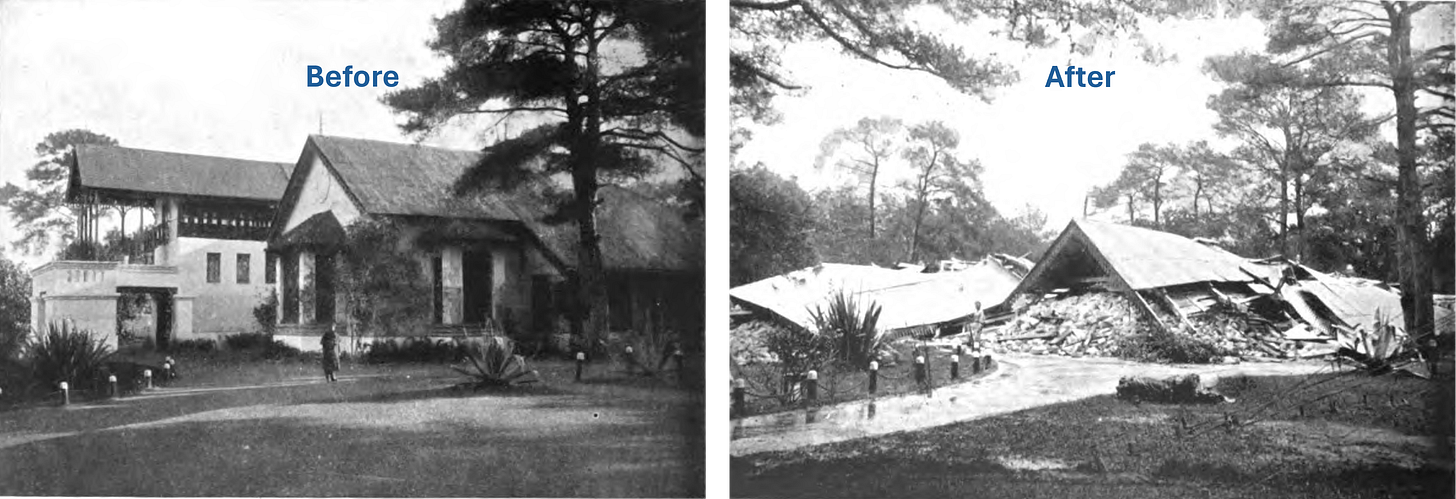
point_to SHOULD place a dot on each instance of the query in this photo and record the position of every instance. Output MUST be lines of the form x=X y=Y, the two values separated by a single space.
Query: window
x=270 y=268
x=245 y=268
x=214 y=267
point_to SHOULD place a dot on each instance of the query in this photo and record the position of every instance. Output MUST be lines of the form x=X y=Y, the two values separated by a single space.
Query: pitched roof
x=408 y=179
x=146 y=171
x=1136 y=257
x=387 y=178
x=637 y=233
x=906 y=298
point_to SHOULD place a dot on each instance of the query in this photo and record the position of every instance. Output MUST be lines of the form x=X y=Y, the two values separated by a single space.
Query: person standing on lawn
x=330 y=343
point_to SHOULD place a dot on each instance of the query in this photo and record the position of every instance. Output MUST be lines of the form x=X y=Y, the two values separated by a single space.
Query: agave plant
x=67 y=353
x=857 y=338
x=494 y=363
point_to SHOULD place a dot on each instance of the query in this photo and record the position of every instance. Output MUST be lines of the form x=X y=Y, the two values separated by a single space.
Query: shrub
x=1176 y=346
x=266 y=312
x=194 y=345
x=67 y=353
x=245 y=341
x=494 y=364
x=278 y=350
x=799 y=349
x=856 y=338
x=412 y=350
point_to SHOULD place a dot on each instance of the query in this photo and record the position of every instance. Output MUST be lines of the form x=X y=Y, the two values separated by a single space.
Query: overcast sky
x=215 y=78
x=1038 y=145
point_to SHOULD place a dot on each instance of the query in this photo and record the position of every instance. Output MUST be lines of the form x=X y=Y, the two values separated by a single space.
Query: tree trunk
x=1284 y=210
x=1415 y=275
x=1131 y=216
x=1299 y=217
x=593 y=289
x=874 y=173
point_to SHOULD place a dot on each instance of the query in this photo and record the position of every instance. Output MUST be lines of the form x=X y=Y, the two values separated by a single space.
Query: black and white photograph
x=377 y=248
x=1117 y=249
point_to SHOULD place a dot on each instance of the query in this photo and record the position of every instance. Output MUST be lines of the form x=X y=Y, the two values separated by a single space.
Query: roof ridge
x=158 y=151
x=392 y=143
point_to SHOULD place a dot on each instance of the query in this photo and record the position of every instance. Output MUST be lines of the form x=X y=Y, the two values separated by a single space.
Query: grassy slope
x=1102 y=447
x=400 y=432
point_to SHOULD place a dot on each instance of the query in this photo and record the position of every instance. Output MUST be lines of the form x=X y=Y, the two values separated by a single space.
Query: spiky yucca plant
x=67 y=353
x=493 y=363
x=853 y=328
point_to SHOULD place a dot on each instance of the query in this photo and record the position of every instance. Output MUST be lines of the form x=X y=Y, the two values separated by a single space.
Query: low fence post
x=874 y=376
x=65 y=393
x=955 y=366
x=975 y=362
x=580 y=362
x=738 y=394
x=677 y=360
x=631 y=361
x=920 y=369
x=148 y=375
x=112 y=379
x=988 y=362
x=812 y=378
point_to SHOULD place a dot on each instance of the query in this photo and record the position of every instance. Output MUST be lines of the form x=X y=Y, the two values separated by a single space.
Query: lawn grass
x=838 y=384
x=1383 y=437
x=232 y=427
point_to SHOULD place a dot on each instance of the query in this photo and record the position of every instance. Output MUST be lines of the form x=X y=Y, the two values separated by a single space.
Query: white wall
x=223 y=307
x=321 y=192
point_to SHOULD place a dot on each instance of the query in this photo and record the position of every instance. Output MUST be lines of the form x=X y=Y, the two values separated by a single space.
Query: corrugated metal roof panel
x=1147 y=258
x=906 y=298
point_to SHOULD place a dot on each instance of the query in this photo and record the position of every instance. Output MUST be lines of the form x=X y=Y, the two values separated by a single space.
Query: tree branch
x=774 y=6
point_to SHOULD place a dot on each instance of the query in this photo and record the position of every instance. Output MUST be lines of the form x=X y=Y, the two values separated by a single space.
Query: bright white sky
x=214 y=78
x=1038 y=145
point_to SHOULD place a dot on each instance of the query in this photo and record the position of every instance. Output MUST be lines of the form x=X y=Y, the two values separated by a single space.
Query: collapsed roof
x=906 y=298
x=1111 y=257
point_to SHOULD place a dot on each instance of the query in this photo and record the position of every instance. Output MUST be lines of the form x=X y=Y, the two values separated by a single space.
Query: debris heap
x=1098 y=323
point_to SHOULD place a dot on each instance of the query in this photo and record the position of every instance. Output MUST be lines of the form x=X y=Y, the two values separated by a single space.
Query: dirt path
x=1022 y=382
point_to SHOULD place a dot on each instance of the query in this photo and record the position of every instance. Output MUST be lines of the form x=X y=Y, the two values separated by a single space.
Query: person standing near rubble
x=973 y=326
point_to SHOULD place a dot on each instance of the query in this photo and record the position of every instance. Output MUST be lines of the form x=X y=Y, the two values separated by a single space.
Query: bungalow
x=488 y=258
x=229 y=232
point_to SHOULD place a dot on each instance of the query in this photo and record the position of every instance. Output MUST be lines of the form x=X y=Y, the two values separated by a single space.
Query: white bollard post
x=65 y=393
x=148 y=375
x=112 y=380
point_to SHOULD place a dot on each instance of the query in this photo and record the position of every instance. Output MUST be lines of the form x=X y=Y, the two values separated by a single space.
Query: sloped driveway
x=1022 y=382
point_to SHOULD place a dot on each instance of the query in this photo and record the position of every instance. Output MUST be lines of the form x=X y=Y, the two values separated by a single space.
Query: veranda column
x=278 y=284
x=452 y=281
x=306 y=292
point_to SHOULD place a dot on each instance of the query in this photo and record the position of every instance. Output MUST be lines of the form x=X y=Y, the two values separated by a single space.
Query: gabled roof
x=1133 y=258
x=392 y=179
x=407 y=179
x=143 y=171
x=637 y=233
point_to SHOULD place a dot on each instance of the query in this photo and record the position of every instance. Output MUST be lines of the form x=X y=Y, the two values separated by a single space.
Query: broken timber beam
x=1142 y=305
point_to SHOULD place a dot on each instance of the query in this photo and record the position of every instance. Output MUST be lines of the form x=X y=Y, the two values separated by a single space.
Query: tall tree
x=618 y=83
x=39 y=208
x=1368 y=43
x=931 y=152
x=1292 y=134
x=770 y=220
x=874 y=141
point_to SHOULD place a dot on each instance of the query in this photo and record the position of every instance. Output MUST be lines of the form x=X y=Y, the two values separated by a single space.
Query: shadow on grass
x=316 y=456
x=1110 y=448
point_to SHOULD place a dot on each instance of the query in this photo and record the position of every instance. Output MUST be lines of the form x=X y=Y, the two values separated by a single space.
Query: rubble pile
x=1240 y=332
x=1085 y=324
x=1096 y=324
x=747 y=344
